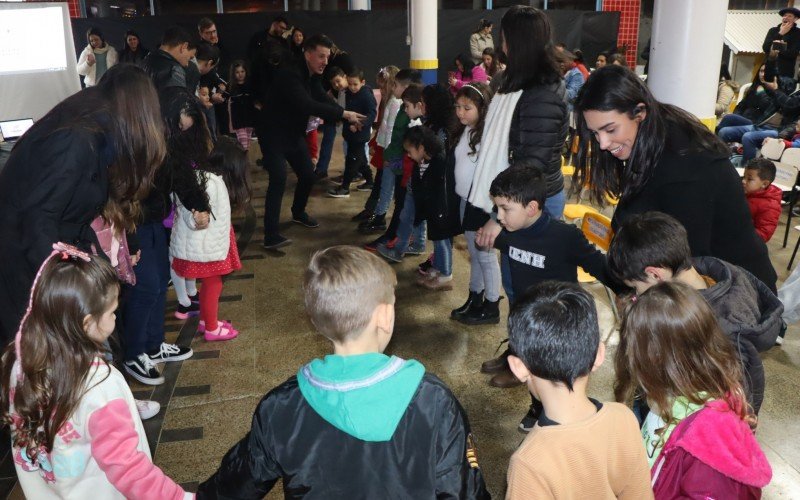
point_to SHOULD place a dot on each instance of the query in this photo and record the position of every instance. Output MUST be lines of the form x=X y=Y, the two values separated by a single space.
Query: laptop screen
x=13 y=129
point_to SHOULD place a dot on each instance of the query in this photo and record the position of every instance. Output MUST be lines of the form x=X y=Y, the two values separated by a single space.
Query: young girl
x=697 y=435
x=241 y=106
x=490 y=63
x=482 y=305
x=74 y=425
x=467 y=71
x=211 y=253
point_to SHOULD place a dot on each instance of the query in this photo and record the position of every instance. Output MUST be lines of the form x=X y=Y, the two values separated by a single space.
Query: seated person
x=357 y=423
x=579 y=447
x=652 y=247
x=763 y=198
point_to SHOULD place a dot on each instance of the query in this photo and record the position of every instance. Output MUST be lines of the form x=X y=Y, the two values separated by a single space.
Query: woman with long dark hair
x=657 y=157
x=97 y=58
x=95 y=152
x=133 y=52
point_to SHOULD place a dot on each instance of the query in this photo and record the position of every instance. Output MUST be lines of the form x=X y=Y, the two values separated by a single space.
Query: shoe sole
x=305 y=224
x=414 y=252
x=364 y=190
x=148 y=416
x=188 y=315
x=173 y=359
x=523 y=430
x=488 y=321
x=275 y=246
x=389 y=257
x=330 y=195
x=144 y=380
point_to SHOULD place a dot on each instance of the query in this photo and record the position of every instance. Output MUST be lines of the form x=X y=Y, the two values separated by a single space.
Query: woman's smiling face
x=615 y=132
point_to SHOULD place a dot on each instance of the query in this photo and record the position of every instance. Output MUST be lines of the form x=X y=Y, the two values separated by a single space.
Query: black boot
x=362 y=216
x=375 y=223
x=474 y=299
x=487 y=314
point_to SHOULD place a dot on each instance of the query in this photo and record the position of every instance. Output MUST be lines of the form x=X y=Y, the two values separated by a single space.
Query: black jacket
x=787 y=101
x=266 y=54
x=364 y=103
x=425 y=458
x=137 y=58
x=755 y=106
x=703 y=191
x=294 y=96
x=787 y=57
x=538 y=131
x=435 y=198
x=243 y=111
x=164 y=70
x=53 y=186
x=748 y=312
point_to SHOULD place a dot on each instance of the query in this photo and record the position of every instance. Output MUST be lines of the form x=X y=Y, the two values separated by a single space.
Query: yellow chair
x=597 y=229
x=574 y=211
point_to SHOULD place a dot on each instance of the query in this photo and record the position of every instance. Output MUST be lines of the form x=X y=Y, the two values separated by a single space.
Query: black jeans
x=275 y=159
x=375 y=194
x=354 y=162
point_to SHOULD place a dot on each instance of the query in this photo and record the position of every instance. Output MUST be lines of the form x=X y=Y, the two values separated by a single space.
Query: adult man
x=216 y=77
x=782 y=43
x=266 y=51
x=166 y=66
x=296 y=94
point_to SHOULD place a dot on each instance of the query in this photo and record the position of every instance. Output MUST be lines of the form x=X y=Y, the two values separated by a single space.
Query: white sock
x=179 y=284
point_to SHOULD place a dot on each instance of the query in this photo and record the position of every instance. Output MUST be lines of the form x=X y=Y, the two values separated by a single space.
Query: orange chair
x=597 y=229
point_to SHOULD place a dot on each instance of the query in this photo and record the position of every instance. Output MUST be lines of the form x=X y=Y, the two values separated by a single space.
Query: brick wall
x=628 y=25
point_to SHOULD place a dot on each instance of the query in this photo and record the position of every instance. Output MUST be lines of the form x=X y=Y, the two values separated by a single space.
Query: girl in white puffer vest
x=211 y=253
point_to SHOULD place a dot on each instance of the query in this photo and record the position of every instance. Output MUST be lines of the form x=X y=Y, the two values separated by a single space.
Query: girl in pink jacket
x=467 y=71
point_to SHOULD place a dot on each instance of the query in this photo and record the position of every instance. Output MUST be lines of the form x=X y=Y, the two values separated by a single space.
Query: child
x=211 y=253
x=483 y=301
x=579 y=447
x=762 y=196
x=653 y=247
x=697 y=437
x=75 y=429
x=241 y=104
x=435 y=202
x=392 y=181
x=358 y=423
x=359 y=98
x=491 y=65
x=337 y=79
x=538 y=247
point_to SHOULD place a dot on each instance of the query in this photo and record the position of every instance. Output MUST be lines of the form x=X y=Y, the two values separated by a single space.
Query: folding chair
x=773 y=149
x=786 y=179
x=597 y=229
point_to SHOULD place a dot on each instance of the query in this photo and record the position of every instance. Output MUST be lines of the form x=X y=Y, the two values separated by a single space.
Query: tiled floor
x=210 y=398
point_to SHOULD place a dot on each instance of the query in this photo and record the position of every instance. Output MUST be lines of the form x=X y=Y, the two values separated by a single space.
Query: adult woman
x=466 y=72
x=97 y=151
x=134 y=52
x=617 y=59
x=297 y=42
x=96 y=58
x=657 y=157
x=480 y=40
x=601 y=61
x=726 y=92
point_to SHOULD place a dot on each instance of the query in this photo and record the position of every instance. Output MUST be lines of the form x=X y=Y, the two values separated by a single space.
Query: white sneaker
x=147 y=408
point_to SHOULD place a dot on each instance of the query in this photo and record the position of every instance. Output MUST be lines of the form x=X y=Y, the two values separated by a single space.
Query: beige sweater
x=599 y=458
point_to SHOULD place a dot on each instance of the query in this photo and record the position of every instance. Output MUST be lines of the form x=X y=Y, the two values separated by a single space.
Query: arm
x=692 y=203
x=314 y=103
x=115 y=448
x=525 y=483
x=590 y=259
x=574 y=84
x=541 y=122
x=249 y=469
x=395 y=148
x=83 y=63
x=112 y=57
x=766 y=220
x=772 y=35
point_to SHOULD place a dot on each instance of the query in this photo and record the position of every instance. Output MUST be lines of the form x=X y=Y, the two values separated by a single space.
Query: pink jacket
x=478 y=75
x=712 y=454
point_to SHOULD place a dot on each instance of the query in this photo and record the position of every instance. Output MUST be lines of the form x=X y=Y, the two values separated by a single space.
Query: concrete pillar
x=359 y=4
x=685 y=54
x=424 y=35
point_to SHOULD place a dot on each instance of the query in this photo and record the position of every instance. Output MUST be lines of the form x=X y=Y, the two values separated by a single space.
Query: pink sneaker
x=224 y=331
x=201 y=327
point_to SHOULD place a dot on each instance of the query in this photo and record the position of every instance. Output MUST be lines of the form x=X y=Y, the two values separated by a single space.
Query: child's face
x=186 y=122
x=205 y=66
x=513 y=215
x=413 y=110
x=354 y=84
x=99 y=329
x=240 y=74
x=398 y=89
x=416 y=153
x=752 y=182
x=487 y=60
x=467 y=112
x=338 y=83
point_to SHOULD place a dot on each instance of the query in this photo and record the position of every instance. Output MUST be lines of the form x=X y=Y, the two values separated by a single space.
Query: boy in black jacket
x=357 y=423
x=539 y=248
x=359 y=98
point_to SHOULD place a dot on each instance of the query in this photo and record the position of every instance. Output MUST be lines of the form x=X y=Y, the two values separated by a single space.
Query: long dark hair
x=491 y=70
x=467 y=64
x=531 y=57
x=126 y=47
x=617 y=88
x=187 y=150
x=440 y=112
x=229 y=161
x=425 y=137
x=483 y=23
x=56 y=351
x=96 y=32
x=239 y=63
x=480 y=95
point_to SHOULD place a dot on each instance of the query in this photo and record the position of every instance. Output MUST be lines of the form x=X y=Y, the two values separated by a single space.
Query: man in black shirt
x=782 y=44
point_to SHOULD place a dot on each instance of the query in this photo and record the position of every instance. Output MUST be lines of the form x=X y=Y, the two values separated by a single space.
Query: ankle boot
x=375 y=223
x=487 y=314
x=474 y=299
x=497 y=364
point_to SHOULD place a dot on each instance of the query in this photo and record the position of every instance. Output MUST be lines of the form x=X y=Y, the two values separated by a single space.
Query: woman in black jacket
x=94 y=153
x=657 y=157
x=133 y=52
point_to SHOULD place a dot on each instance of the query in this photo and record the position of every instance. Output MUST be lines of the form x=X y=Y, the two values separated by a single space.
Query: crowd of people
x=132 y=183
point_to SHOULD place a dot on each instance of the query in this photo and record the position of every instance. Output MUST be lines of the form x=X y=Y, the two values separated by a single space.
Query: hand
x=217 y=98
x=785 y=27
x=314 y=161
x=485 y=236
x=135 y=258
x=222 y=87
x=353 y=128
x=773 y=54
x=452 y=81
x=773 y=85
x=353 y=117
x=258 y=106
x=201 y=219
x=90 y=59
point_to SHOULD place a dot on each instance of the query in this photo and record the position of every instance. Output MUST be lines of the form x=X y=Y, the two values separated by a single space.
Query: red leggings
x=210 y=291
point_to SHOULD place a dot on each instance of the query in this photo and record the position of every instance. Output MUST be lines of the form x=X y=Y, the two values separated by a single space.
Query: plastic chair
x=773 y=149
x=575 y=211
x=743 y=90
x=786 y=175
x=597 y=229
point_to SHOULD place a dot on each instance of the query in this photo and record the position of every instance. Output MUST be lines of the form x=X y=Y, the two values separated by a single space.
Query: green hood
x=364 y=395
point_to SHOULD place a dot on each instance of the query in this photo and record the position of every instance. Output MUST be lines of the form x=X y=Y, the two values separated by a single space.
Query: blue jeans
x=740 y=129
x=443 y=256
x=328 y=131
x=554 y=206
x=407 y=229
x=388 y=179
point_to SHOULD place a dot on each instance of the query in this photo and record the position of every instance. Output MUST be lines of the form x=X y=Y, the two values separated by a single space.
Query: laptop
x=12 y=130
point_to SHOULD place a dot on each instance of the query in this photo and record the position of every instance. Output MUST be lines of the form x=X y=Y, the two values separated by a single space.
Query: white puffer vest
x=203 y=245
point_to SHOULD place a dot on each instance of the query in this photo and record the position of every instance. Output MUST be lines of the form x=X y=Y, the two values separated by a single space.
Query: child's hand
x=201 y=219
x=486 y=235
x=353 y=128
x=136 y=257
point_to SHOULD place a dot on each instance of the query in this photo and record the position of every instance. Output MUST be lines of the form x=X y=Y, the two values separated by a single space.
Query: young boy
x=359 y=98
x=358 y=423
x=539 y=248
x=653 y=247
x=337 y=79
x=579 y=447
x=394 y=159
x=763 y=198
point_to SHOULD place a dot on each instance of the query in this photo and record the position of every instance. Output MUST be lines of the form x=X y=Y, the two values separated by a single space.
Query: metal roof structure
x=745 y=29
